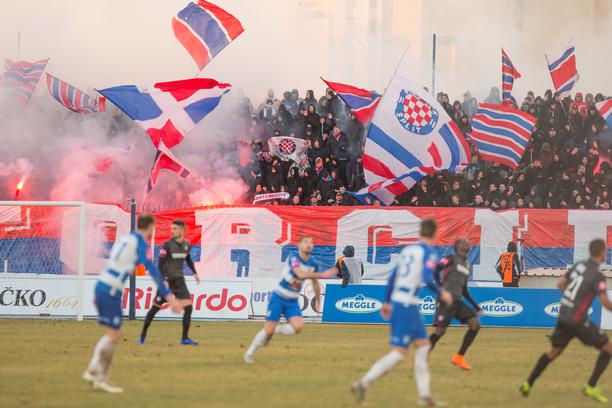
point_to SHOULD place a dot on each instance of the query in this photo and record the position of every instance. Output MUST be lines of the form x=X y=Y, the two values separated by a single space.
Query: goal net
x=51 y=254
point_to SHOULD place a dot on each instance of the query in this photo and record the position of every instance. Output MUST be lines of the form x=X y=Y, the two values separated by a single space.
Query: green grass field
x=42 y=361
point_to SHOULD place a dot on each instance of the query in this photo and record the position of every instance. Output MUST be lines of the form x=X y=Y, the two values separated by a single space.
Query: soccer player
x=452 y=273
x=582 y=282
x=284 y=299
x=416 y=265
x=172 y=255
x=129 y=251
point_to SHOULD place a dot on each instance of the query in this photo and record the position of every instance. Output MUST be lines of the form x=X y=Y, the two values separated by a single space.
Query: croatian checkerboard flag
x=167 y=111
x=361 y=102
x=410 y=137
x=205 y=29
x=288 y=148
x=562 y=67
x=501 y=133
x=23 y=76
x=605 y=108
x=73 y=98
x=509 y=75
x=164 y=159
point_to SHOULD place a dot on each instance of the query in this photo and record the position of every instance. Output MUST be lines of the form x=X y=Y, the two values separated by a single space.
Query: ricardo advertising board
x=211 y=299
x=57 y=296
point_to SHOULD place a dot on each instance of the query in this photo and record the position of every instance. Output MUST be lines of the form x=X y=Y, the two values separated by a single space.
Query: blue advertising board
x=502 y=307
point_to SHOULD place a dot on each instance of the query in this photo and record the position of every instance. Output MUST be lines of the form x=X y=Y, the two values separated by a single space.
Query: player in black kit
x=452 y=274
x=172 y=255
x=580 y=285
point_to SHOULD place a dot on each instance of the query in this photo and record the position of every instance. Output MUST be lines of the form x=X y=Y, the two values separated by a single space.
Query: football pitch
x=42 y=362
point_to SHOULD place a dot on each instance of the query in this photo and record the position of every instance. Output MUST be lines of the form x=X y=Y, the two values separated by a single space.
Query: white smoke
x=105 y=157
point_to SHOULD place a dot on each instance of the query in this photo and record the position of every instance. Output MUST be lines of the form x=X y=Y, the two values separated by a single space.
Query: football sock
x=433 y=339
x=600 y=367
x=539 y=368
x=382 y=366
x=259 y=340
x=150 y=315
x=285 y=329
x=186 y=321
x=469 y=337
x=421 y=371
x=102 y=356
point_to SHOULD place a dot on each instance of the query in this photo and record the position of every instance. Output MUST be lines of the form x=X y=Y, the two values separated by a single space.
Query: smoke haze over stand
x=290 y=43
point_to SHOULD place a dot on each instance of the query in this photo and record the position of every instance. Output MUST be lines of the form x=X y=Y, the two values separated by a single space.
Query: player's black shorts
x=178 y=287
x=458 y=310
x=588 y=333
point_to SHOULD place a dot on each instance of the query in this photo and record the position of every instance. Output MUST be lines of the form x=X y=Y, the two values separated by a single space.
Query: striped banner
x=501 y=133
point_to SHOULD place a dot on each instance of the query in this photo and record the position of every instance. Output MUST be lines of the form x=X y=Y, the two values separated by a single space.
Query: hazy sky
x=290 y=43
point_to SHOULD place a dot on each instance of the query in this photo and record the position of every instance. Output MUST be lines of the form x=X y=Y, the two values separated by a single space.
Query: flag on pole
x=288 y=148
x=501 y=133
x=167 y=111
x=361 y=102
x=73 y=98
x=562 y=67
x=509 y=75
x=605 y=108
x=23 y=76
x=410 y=136
x=164 y=159
x=205 y=29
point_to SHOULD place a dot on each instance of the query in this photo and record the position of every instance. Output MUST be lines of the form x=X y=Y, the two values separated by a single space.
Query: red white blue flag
x=23 y=76
x=73 y=98
x=167 y=111
x=205 y=29
x=165 y=160
x=509 y=75
x=605 y=108
x=501 y=133
x=562 y=67
x=409 y=137
x=361 y=102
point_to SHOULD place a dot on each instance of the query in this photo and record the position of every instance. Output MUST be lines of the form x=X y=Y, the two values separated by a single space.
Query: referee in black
x=172 y=255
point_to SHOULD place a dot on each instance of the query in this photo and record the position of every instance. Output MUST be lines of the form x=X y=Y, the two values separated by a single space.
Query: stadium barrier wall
x=503 y=307
x=247 y=242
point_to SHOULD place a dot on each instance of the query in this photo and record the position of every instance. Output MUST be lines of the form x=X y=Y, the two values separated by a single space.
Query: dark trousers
x=513 y=284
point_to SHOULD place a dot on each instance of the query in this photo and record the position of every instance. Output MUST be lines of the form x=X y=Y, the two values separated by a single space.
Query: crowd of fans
x=561 y=167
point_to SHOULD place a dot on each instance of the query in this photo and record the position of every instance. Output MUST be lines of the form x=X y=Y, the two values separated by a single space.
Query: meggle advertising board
x=506 y=307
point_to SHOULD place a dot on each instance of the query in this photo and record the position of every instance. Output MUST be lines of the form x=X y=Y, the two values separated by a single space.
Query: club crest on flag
x=286 y=146
x=415 y=114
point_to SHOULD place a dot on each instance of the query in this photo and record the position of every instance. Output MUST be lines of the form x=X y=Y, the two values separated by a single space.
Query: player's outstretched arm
x=605 y=300
x=302 y=274
x=562 y=283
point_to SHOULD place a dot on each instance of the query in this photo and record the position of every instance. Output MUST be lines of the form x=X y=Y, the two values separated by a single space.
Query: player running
x=582 y=282
x=172 y=255
x=127 y=252
x=452 y=273
x=415 y=265
x=284 y=299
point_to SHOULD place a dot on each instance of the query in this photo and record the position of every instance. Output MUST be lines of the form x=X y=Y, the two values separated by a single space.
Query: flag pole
x=433 y=66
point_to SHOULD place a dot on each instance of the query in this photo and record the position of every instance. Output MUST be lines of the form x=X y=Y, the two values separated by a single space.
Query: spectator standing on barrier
x=508 y=266
x=350 y=267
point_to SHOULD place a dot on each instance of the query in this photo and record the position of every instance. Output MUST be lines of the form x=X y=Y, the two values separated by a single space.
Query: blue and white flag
x=410 y=137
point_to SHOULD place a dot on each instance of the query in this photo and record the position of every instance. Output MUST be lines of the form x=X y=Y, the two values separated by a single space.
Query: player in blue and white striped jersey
x=414 y=268
x=127 y=252
x=284 y=299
